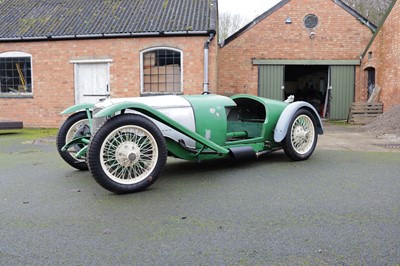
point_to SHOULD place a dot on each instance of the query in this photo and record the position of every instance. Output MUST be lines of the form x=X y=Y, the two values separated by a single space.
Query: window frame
x=142 y=53
x=18 y=54
x=310 y=18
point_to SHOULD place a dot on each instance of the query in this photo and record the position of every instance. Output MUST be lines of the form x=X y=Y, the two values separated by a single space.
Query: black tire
x=127 y=154
x=76 y=124
x=301 y=137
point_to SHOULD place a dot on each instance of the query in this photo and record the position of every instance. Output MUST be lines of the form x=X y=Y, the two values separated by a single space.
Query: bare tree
x=373 y=10
x=229 y=24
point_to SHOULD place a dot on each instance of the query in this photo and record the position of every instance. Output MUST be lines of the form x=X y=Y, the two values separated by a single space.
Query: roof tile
x=56 y=18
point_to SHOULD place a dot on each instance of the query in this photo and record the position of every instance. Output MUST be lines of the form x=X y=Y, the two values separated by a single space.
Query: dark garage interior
x=307 y=83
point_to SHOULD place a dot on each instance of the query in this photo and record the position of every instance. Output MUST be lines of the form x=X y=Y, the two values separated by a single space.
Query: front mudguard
x=78 y=107
x=287 y=115
x=87 y=107
x=83 y=107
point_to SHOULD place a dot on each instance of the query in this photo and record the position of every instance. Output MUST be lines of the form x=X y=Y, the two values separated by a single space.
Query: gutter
x=103 y=35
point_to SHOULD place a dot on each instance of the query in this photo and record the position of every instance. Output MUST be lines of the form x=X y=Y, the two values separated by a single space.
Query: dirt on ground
x=382 y=134
x=386 y=124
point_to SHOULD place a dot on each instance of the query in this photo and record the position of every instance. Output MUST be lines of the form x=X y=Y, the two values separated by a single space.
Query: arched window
x=15 y=73
x=161 y=71
x=371 y=80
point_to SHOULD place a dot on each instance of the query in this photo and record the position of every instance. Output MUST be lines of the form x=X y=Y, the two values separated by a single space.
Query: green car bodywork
x=216 y=129
x=125 y=142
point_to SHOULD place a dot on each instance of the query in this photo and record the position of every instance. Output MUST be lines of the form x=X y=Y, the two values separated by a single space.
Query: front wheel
x=127 y=154
x=77 y=125
x=301 y=137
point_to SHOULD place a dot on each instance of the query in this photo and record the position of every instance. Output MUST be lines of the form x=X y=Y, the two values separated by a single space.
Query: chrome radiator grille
x=97 y=122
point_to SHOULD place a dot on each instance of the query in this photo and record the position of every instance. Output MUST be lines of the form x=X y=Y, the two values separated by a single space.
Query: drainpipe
x=206 y=48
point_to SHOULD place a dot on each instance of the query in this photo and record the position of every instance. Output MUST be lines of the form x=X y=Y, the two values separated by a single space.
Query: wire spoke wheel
x=301 y=137
x=129 y=154
x=302 y=134
x=76 y=125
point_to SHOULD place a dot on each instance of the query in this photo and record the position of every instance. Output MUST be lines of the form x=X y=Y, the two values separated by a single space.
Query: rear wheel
x=301 y=137
x=77 y=125
x=127 y=154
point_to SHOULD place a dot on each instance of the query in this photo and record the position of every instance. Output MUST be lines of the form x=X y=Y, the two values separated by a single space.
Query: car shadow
x=182 y=173
x=176 y=168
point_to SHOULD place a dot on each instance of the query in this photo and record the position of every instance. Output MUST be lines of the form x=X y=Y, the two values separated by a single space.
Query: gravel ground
x=386 y=124
x=382 y=134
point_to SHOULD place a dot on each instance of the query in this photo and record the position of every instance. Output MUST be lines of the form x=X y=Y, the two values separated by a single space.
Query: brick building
x=54 y=54
x=381 y=60
x=300 y=47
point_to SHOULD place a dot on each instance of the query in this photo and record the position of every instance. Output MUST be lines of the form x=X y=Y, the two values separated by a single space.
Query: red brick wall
x=53 y=74
x=385 y=58
x=339 y=36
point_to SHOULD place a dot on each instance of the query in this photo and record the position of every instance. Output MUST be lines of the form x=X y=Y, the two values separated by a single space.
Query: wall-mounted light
x=312 y=35
x=288 y=20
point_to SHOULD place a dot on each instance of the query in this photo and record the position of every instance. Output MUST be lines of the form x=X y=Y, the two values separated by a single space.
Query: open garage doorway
x=329 y=85
x=308 y=83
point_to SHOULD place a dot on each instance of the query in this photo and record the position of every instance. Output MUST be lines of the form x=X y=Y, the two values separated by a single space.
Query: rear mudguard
x=287 y=115
x=157 y=115
x=78 y=107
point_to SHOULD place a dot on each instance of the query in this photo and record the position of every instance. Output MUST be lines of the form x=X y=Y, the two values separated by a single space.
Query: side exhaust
x=242 y=153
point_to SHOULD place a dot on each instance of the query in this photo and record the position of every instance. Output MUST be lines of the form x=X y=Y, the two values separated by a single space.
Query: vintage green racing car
x=124 y=142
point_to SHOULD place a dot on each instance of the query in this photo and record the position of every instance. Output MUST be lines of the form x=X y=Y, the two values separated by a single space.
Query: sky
x=247 y=8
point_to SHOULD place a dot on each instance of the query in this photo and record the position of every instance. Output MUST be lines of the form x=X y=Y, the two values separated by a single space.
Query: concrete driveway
x=353 y=138
x=340 y=207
